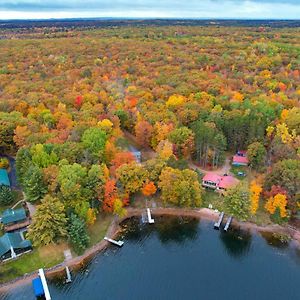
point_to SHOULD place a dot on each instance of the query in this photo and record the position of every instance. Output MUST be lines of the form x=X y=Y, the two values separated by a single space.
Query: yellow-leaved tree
x=255 y=191
x=278 y=201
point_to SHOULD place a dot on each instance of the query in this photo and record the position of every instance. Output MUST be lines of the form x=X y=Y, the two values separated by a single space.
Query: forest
x=71 y=101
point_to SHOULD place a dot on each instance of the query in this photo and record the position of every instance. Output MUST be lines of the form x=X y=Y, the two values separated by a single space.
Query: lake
x=183 y=258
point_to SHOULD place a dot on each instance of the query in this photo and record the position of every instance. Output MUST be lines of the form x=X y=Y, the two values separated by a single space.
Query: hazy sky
x=247 y=9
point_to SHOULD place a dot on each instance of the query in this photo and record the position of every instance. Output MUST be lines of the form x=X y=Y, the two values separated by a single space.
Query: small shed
x=4 y=180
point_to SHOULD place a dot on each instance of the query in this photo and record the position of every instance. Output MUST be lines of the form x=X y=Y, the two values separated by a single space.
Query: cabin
x=211 y=180
x=13 y=244
x=219 y=183
x=4 y=180
x=240 y=158
x=14 y=219
x=227 y=182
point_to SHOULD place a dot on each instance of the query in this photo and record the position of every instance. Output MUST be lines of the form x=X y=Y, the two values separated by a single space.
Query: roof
x=13 y=239
x=13 y=215
x=4 y=180
x=240 y=159
x=38 y=287
x=212 y=177
x=228 y=182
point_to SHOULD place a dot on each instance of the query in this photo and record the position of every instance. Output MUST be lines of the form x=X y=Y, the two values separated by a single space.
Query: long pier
x=150 y=220
x=117 y=243
x=218 y=224
x=228 y=223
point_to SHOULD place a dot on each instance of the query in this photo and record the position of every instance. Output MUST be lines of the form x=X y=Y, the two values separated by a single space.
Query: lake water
x=183 y=258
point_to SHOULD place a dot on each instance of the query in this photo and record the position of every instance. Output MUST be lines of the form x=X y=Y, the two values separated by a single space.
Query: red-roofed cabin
x=219 y=183
x=240 y=159
x=211 y=180
x=227 y=182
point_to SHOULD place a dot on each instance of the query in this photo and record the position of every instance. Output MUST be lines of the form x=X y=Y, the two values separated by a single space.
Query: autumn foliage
x=149 y=189
x=278 y=201
x=255 y=191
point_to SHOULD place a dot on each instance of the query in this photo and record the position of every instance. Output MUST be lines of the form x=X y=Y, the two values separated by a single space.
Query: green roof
x=13 y=215
x=13 y=239
x=4 y=180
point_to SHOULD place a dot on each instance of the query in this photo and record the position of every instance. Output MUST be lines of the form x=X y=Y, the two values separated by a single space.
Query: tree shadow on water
x=237 y=243
x=177 y=229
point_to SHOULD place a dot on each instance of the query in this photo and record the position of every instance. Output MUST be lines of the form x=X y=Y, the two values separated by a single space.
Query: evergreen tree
x=23 y=162
x=78 y=234
x=49 y=222
x=33 y=184
x=6 y=195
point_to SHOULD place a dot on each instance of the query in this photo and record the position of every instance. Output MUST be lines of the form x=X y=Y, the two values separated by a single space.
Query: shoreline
x=114 y=229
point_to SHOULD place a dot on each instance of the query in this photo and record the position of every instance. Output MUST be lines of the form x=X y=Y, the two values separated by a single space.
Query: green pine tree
x=78 y=234
x=33 y=184
x=6 y=195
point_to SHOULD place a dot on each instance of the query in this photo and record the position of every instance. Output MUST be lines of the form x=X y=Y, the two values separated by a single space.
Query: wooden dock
x=218 y=224
x=228 y=223
x=45 y=285
x=117 y=243
x=150 y=220
x=69 y=278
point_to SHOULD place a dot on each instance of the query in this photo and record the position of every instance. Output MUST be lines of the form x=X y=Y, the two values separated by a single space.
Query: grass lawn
x=213 y=198
x=236 y=169
x=98 y=230
x=45 y=257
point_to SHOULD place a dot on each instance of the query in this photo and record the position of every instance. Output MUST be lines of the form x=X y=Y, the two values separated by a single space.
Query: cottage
x=218 y=182
x=227 y=182
x=13 y=244
x=4 y=180
x=240 y=159
x=14 y=219
x=211 y=180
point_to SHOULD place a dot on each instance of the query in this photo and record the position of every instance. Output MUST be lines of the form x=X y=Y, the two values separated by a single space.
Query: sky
x=237 y=9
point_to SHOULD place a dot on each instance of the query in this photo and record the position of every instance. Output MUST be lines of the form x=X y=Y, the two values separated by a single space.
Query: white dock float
x=117 y=243
x=218 y=224
x=69 y=278
x=150 y=220
x=228 y=223
x=45 y=285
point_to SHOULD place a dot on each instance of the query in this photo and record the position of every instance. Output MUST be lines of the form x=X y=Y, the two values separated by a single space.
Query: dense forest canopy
x=188 y=93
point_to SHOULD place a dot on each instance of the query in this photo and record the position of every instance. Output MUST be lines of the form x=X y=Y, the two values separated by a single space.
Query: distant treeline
x=96 y=23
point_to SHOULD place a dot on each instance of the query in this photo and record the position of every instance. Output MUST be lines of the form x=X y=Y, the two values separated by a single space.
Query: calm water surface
x=182 y=258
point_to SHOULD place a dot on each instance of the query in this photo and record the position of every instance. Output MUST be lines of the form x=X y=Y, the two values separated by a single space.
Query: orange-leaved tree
x=110 y=195
x=149 y=189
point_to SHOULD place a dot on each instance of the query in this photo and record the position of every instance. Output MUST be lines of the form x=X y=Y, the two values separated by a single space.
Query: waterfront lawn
x=98 y=230
x=43 y=257
x=213 y=198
